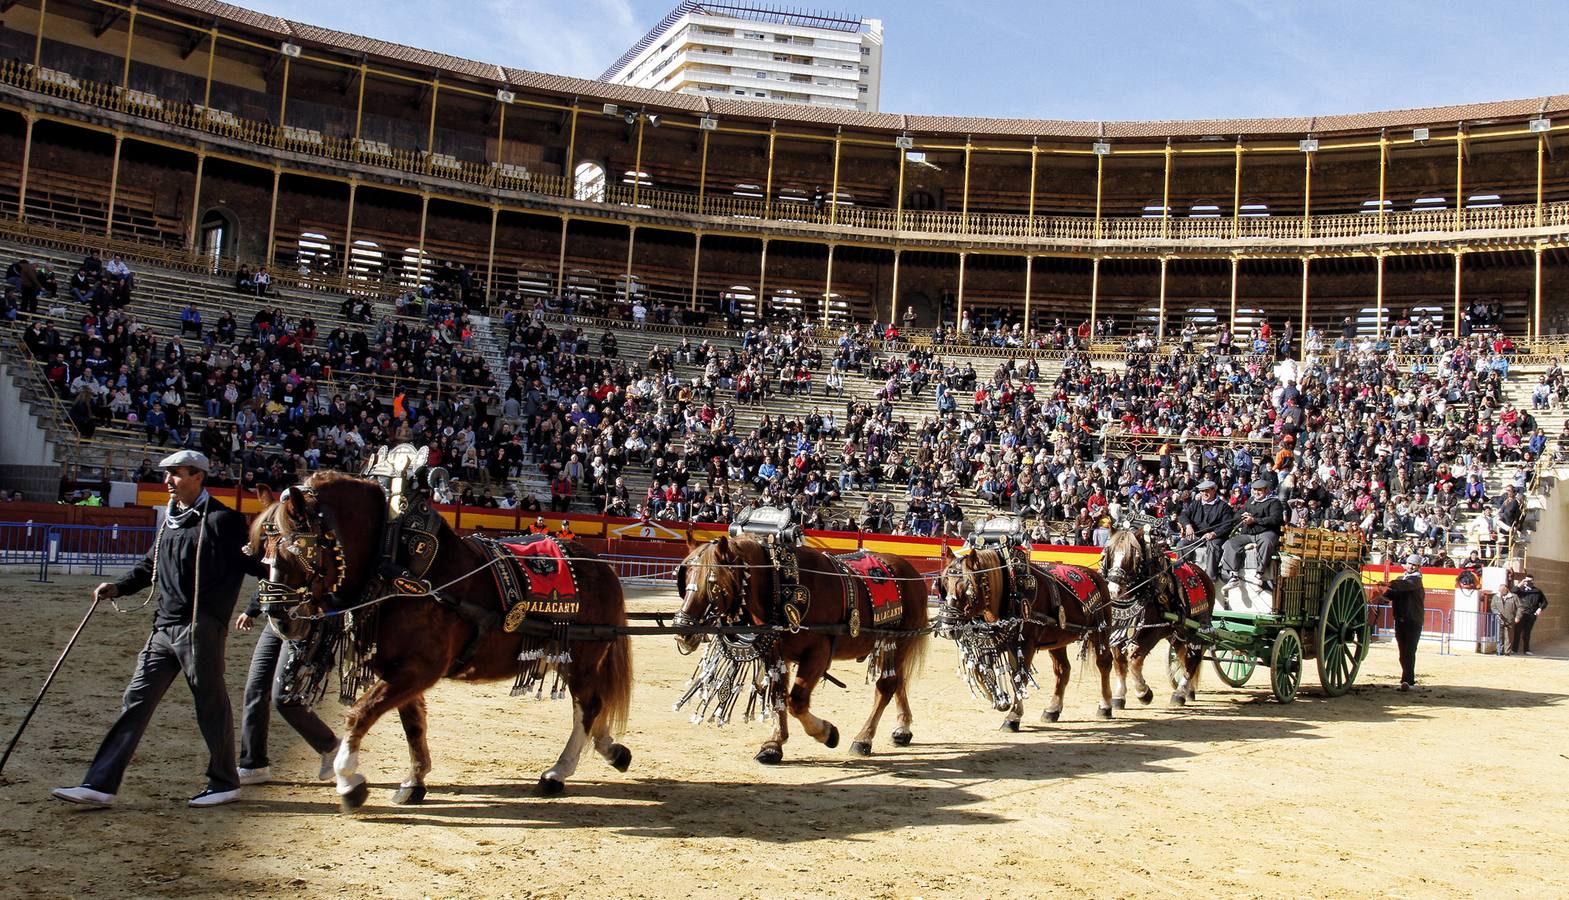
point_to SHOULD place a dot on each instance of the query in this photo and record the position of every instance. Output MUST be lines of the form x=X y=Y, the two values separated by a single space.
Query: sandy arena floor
x=1454 y=790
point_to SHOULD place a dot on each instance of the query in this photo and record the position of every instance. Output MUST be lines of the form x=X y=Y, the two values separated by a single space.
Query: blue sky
x=1115 y=59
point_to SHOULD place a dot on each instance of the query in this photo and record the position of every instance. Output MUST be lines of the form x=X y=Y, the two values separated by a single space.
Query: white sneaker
x=84 y=795
x=211 y=797
x=256 y=776
x=328 y=767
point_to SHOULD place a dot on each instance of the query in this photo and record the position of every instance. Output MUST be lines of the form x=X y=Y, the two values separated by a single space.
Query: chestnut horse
x=975 y=588
x=322 y=542
x=730 y=581
x=1142 y=592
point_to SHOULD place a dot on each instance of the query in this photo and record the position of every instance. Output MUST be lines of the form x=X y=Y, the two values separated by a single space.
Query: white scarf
x=181 y=517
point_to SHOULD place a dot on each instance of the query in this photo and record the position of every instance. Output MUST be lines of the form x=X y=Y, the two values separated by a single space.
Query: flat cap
x=1259 y=484
x=1207 y=485
x=188 y=458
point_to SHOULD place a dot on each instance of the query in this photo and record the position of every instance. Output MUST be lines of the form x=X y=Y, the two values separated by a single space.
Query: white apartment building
x=749 y=51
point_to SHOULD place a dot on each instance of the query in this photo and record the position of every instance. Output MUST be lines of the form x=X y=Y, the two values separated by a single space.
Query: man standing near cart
x=196 y=565
x=1406 y=597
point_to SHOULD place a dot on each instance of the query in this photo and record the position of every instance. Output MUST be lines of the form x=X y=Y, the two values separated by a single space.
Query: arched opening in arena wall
x=218 y=235
x=588 y=182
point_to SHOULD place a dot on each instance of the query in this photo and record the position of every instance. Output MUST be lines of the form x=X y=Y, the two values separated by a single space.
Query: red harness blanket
x=534 y=577
x=1076 y=580
x=887 y=605
x=1190 y=582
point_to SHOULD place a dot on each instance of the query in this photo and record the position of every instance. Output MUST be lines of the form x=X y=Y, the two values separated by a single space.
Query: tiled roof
x=810 y=116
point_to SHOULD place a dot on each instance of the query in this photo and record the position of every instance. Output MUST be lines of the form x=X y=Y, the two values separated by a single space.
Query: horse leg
x=1119 y=690
x=1193 y=665
x=1141 y=687
x=886 y=689
x=1104 y=660
x=808 y=672
x=412 y=790
x=772 y=752
x=554 y=781
x=605 y=745
x=596 y=719
x=383 y=696
x=1063 y=669
x=902 y=735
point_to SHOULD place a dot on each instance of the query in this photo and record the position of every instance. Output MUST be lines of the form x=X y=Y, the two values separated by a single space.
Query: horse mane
x=275 y=515
x=1126 y=541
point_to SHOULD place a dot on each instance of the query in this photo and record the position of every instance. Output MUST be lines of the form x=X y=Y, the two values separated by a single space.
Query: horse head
x=317 y=547
x=1123 y=561
x=714 y=583
x=971 y=585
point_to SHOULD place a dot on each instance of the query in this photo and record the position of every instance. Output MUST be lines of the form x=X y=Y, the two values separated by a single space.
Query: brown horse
x=322 y=543
x=732 y=580
x=976 y=588
x=1143 y=590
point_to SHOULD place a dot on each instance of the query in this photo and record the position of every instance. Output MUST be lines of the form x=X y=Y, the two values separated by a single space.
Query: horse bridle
x=314 y=550
x=975 y=597
x=717 y=595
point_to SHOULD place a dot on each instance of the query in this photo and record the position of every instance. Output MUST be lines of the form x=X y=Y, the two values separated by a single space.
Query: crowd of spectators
x=1391 y=436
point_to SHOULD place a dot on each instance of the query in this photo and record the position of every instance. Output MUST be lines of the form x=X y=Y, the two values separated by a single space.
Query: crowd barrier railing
x=77 y=549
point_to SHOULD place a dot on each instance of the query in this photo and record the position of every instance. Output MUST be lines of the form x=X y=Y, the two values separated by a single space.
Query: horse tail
x=916 y=617
x=617 y=692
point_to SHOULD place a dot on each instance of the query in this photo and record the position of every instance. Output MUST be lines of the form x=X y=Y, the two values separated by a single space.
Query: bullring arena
x=806 y=381
x=1372 y=793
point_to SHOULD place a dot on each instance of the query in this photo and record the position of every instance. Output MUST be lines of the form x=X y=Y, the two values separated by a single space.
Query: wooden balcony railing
x=1079 y=229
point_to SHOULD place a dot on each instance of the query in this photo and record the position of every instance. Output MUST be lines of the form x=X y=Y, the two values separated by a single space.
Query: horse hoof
x=1010 y=725
x=1119 y=703
x=833 y=737
x=620 y=757
x=1104 y=711
x=551 y=787
x=1052 y=715
x=861 y=748
x=1179 y=699
x=902 y=737
x=1147 y=696
x=409 y=794
x=770 y=756
x=354 y=798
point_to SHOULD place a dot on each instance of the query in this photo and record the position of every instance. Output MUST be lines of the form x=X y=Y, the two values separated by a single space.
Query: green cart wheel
x=1234 y=667
x=1343 y=633
x=1285 y=665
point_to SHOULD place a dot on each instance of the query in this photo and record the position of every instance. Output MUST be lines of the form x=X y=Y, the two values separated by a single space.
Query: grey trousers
x=262 y=686
x=197 y=652
x=1236 y=548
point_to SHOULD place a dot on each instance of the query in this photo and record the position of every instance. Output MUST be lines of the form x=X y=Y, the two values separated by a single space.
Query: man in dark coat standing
x=1406 y=597
x=197 y=564
x=1532 y=602
x=1262 y=518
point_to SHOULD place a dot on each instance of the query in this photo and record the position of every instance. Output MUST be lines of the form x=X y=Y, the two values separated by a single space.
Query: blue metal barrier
x=93 y=549
x=24 y=544
x=1436 y=624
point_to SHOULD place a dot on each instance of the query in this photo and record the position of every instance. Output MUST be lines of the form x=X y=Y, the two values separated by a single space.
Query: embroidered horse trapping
x=1190 y=585
x=887 y=605
x=534 y=578
x=1076 y=580
x=536 y=584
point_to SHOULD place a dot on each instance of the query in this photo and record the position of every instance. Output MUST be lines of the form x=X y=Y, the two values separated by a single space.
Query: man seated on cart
x=1262 y=519
x=1206 y=522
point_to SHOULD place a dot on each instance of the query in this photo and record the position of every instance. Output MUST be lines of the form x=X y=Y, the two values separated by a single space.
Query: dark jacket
x=1532 y=600
x=222 y=567
x=1268 y=514
x=1406 y=597
x=1203 y=517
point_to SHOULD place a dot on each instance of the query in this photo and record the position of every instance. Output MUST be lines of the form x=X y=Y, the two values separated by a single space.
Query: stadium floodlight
x=1540 y=125
x=1308 y=145
x=1420 y=135
x=290 y=50
x=610 y=109
x=904 y=142
x=1101 y=148
x=505 y=96
x=708 y=123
